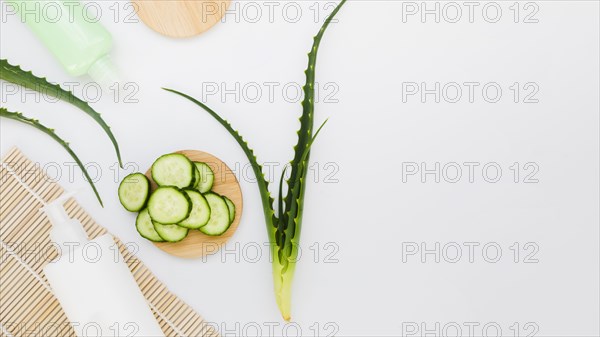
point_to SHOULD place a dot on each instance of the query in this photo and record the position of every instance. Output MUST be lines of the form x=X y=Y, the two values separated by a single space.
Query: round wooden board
x=197 y=244
x=180 y=18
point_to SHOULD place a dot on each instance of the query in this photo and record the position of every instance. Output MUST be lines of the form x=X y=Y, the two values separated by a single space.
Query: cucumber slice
x=200 y=211
x=173 y=170
x=231 y=208
x=134 y=191
x=207 y=177
x=170 y=233
x=219 y=216
x=144 y=226
x=196 y=177
x=169 y=205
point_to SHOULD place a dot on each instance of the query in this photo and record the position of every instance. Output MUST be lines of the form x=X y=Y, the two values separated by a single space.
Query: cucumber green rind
x=200 y=213
x=207 y=177
x=170 y=233
x=141 y=199
x=196 y=177
x=16 y=75
x=144 y=226
x=219 y=217
x=156 y=205
x=231 y=207
x=181 y=180
x=50 y=132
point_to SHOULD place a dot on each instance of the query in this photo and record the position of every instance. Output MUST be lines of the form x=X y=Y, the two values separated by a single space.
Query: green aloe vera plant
x=284 y=227
x=18 y=76
x=50 y=132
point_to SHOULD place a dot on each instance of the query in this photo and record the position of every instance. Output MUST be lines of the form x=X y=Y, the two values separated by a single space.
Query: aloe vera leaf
x=288 y=227
x=263 y=184
x=50 y=132
x=287 y=252
x=306 y=121
x=280 y=208
x=16 y=75
x=296 y=189
x=285 y=265
x=308 y=106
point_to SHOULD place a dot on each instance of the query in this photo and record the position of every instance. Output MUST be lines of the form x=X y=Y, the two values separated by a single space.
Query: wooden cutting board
x=180 y=18
x=197 y=244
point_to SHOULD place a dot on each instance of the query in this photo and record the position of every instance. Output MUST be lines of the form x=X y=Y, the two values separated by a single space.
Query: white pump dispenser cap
x=64 y=228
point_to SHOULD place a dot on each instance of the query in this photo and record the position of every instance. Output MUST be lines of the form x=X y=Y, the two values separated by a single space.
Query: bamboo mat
x=27 y=306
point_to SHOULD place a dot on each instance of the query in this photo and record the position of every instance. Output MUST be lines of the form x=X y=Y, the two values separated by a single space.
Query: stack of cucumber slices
x=182 y=201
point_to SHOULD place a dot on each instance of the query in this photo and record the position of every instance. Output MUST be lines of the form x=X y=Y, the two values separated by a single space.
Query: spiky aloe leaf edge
x=14 y=74
x=50 y=132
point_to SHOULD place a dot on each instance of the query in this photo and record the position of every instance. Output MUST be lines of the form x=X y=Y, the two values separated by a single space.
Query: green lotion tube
x=79 y=42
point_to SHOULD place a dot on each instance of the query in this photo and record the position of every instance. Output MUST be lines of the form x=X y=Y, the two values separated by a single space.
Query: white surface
x=370 y=212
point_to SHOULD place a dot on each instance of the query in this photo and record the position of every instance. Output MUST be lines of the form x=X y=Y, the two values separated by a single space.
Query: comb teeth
x=28 y=307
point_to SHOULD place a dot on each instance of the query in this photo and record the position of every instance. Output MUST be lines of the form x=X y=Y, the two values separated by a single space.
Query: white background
x=369 y=214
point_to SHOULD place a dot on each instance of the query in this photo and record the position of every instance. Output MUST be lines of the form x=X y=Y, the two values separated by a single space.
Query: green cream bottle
x=78 y=40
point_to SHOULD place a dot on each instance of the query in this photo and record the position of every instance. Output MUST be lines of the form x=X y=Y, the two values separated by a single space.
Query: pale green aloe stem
x=50 y=132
